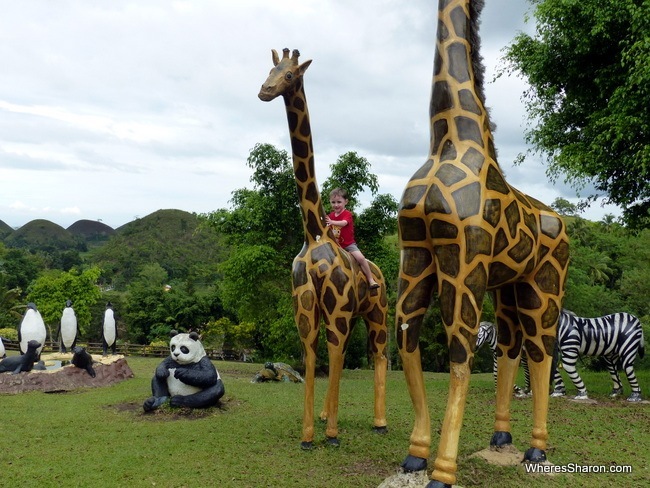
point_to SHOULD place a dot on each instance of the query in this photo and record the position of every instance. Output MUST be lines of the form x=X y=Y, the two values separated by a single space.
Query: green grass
x=101 y=437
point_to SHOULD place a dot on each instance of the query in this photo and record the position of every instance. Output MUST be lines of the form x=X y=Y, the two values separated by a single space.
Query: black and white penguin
x=68 y=328
x=82 y=359
x=24 y=362
x=109 y=330
x=32 y=328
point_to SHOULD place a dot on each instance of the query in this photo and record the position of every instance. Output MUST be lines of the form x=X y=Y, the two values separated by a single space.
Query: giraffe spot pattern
x=447 y=302
x=435 y=202
x=412 y=229
x=468 y=130
x=527 y=297
x=441 y=229
x=522 y=249
x=550 y=315
x=467 y=200
x=449 y=174
x=500 y=242
x=512 y=218
x=548 y=279
x=561 y=253
x=494 y=181
x=468 y=312
x=499 y=274
x=299 y=275
x=332 y=338
x=534 y=352
x=457 y=58
x=476 y=281
x=551 y=226
x=492 y=211
x=515 y=350
x=441 y=96
x=468 y=102
x=448 y=259
x=477 y=241
x=422 y=172
x=419 y=260
x=339 y=279
x=440 y=129
x=341 y=324
x=457 y=352
x=448 y=152
x=299 y=147
x=412 y=196
x=474 y=160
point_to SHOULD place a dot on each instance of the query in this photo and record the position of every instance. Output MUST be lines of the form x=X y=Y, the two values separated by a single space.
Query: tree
x=589 y=85
x=564 y=207
x=352 y=173
x=52 y=289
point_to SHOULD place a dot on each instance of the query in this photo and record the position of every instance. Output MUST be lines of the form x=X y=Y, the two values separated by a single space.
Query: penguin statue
x=68 y=328
x=109 y=330
x=32 y=328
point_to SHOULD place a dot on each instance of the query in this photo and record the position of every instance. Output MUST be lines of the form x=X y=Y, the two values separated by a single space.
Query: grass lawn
x=101 y=437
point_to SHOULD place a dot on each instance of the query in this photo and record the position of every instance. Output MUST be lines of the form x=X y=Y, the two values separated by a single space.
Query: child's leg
x=358 y=255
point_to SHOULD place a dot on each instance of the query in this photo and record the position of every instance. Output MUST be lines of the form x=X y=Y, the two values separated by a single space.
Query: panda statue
x=187 y=378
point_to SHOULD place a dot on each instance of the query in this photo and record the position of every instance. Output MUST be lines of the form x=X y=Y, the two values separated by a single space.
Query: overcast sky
x=111 y=110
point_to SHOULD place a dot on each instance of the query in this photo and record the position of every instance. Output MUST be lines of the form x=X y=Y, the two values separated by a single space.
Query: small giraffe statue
x=327 y=282
x=464 y=231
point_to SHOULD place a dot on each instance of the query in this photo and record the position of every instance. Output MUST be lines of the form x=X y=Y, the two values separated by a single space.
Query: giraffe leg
x=445 y=466
x=308 y=409
x=508 y=351
x=336 y=356
x=507 y=371
x=380 y=362
x=540 y=373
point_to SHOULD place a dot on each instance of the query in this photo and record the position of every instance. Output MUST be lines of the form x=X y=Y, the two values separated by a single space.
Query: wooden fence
x=133 y=350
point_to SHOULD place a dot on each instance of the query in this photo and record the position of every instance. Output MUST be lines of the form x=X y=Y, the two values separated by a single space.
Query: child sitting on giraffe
x=342 y=223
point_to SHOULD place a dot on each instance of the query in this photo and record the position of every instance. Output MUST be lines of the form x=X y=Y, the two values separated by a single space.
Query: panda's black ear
x=194 y=336
x=172 y=333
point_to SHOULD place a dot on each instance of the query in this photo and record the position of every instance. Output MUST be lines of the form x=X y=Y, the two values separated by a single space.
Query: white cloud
x=120 y=108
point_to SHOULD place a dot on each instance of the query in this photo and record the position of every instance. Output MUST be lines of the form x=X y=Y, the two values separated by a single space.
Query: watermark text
x=542 y=468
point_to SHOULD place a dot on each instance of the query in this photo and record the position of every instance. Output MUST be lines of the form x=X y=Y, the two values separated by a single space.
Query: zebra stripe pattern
x=487 y=334
x=617 y=338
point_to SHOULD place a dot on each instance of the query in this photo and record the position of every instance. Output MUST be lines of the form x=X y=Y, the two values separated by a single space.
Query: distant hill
x=91 y=230
x=5 y=230
x=42 y=235
x=167 y=237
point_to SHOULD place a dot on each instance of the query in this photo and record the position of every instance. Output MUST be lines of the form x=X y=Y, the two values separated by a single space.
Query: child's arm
x=338 y=223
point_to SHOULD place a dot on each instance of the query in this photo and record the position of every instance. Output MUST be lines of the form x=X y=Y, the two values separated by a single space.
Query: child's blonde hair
x=339 y=192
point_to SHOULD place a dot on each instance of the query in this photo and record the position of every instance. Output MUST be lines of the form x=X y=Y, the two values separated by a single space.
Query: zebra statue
x=617 y=338
x=487 y=334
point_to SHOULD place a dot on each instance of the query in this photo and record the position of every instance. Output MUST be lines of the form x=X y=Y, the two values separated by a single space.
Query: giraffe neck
x=311 y=205
x=457 y=108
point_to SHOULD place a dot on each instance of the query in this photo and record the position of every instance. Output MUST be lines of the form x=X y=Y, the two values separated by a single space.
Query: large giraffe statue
x=463 y=232
x=327 y=282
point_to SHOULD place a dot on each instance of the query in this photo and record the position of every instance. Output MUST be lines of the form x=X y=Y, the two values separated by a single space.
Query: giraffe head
x=285 y=76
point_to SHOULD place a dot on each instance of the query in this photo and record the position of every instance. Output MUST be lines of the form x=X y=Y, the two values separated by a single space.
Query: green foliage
x=352 y=173
x=167 y=237
x=157 y=306
x=590 y=81
x=10 y=333
x=51 y=291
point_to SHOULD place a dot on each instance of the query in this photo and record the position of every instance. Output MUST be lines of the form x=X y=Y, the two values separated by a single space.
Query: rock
x=110 y=370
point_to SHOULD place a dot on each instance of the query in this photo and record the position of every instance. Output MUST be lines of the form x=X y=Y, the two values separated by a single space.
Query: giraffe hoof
x=534 y=455
x=380 y=430
x=634 y=397
x=500 y=439
x=306 y=446
x=333 y=441
x=437 y=484
x=412 y=464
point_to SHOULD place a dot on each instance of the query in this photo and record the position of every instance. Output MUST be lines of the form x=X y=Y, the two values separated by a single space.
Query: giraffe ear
x=303 y=67
x=276 y=58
